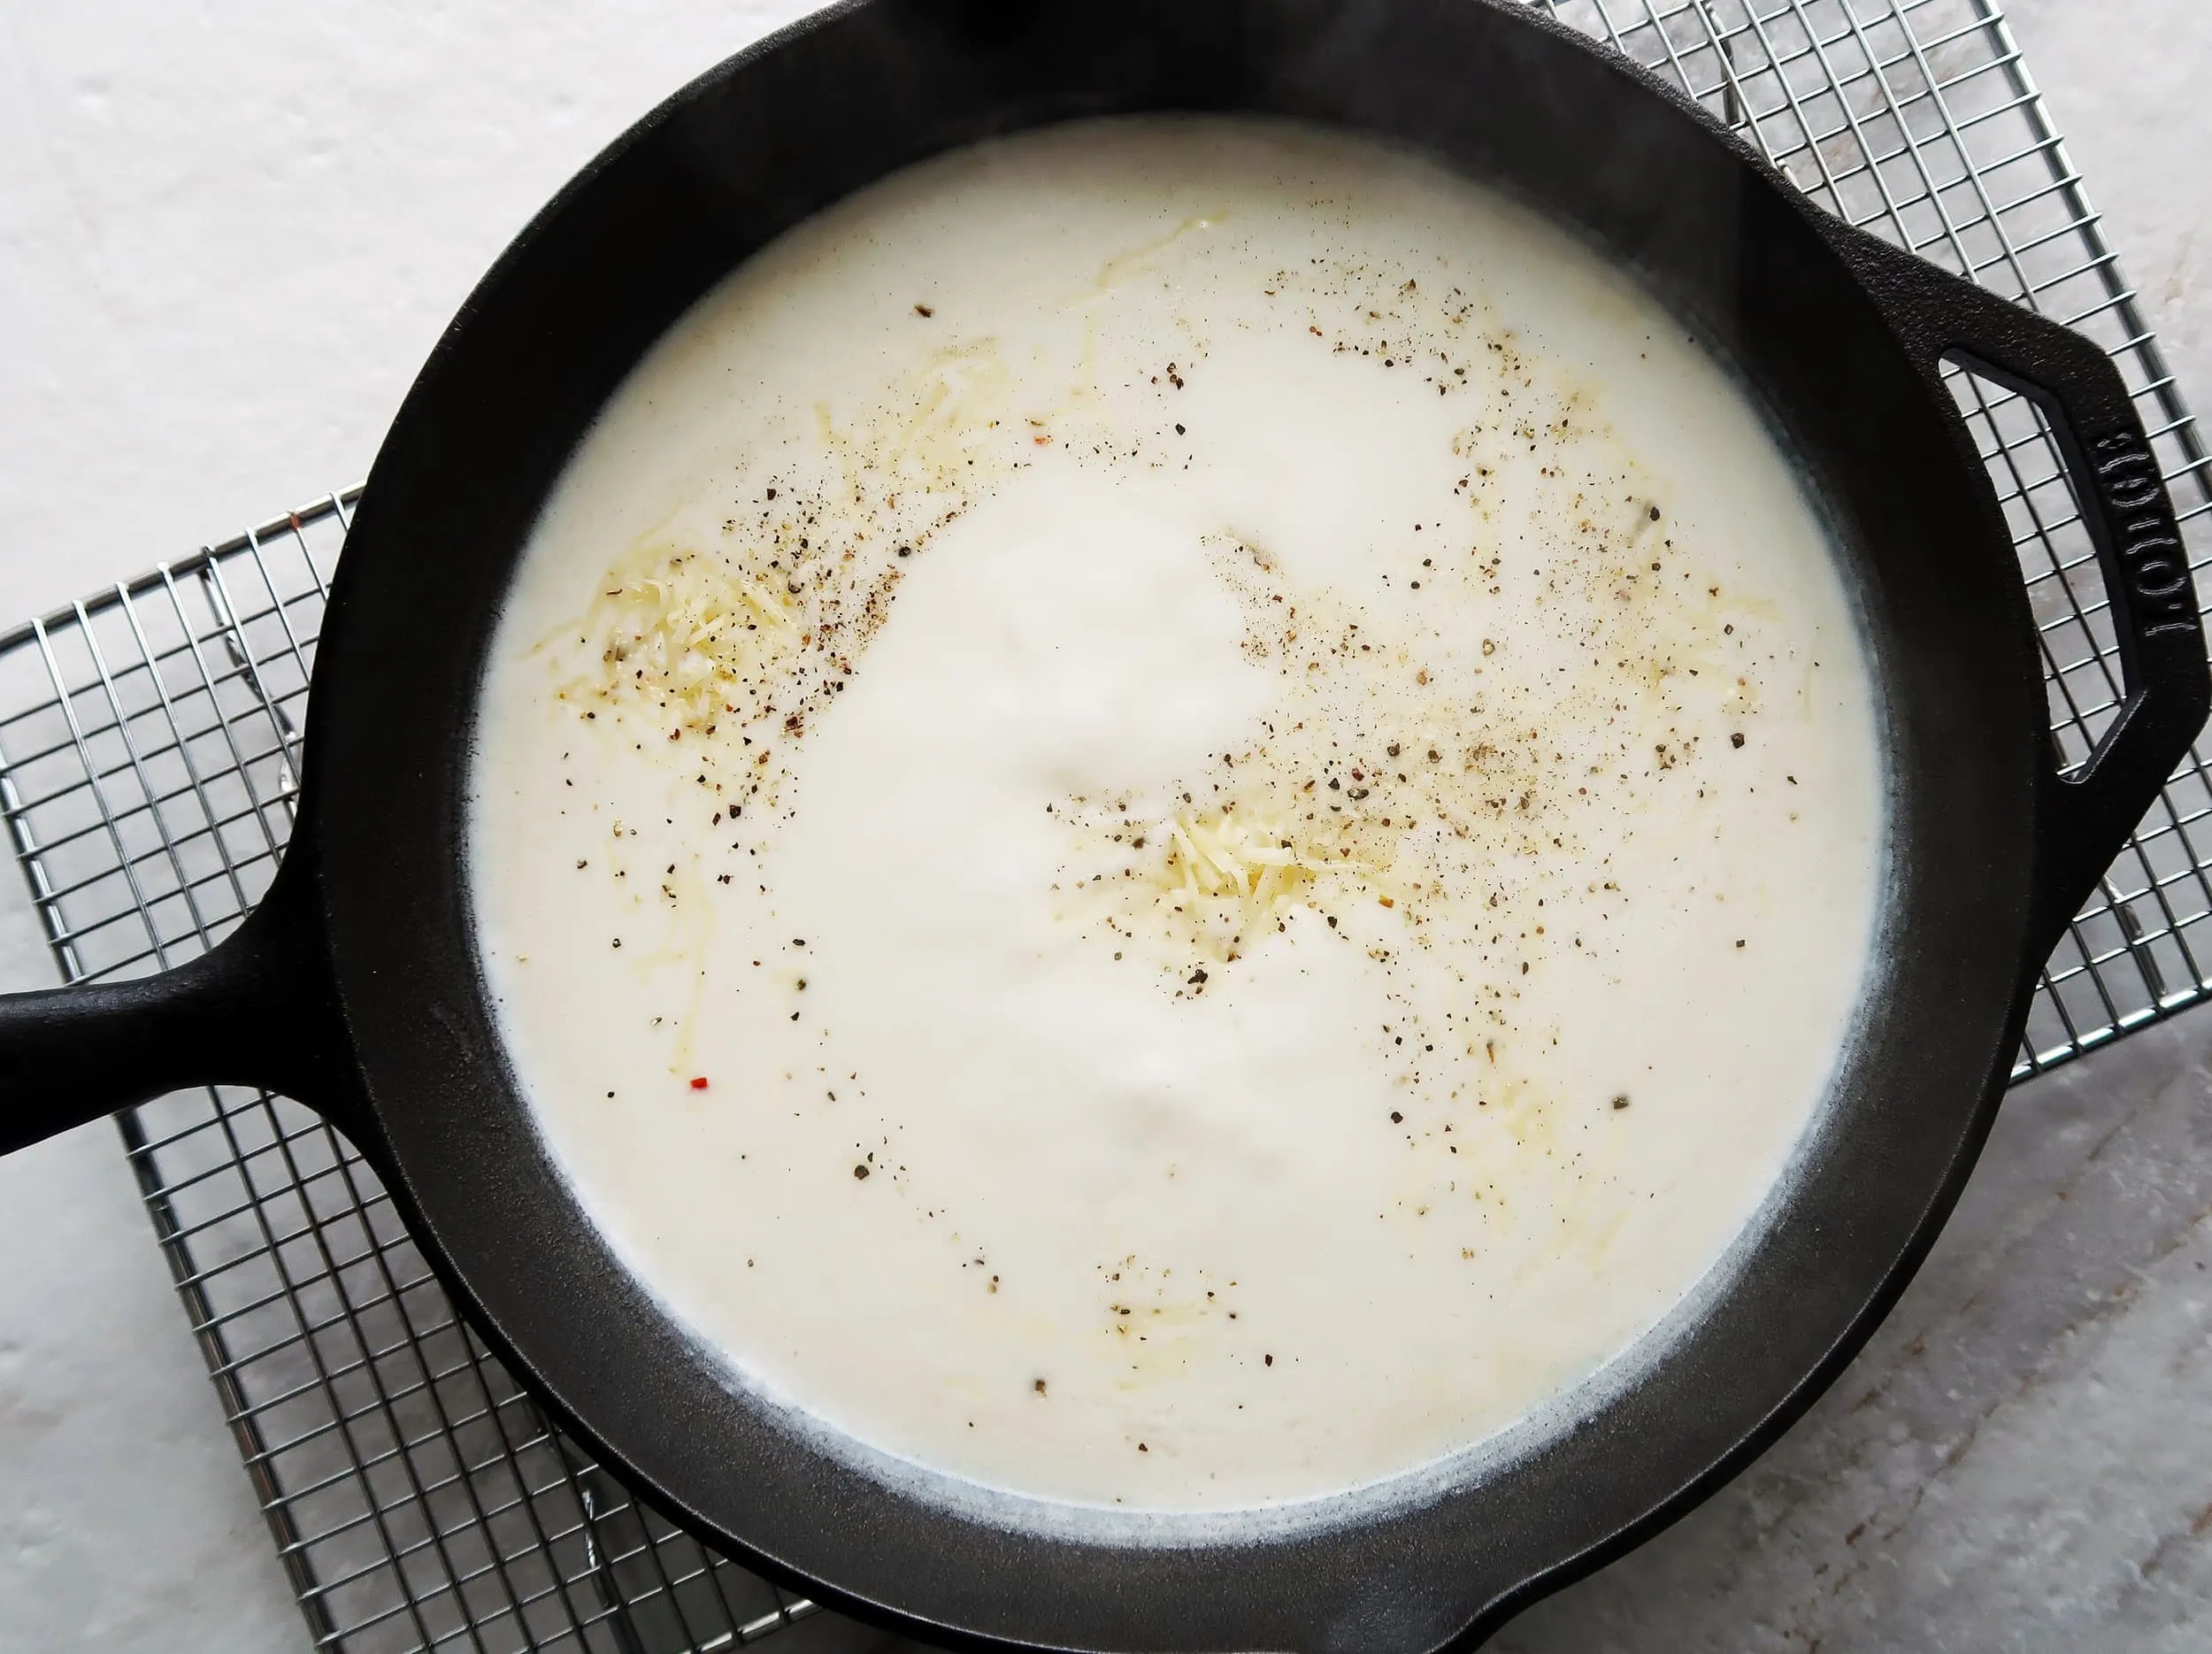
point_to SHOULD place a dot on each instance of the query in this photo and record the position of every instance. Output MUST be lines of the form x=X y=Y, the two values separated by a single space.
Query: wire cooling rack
x=149 y=747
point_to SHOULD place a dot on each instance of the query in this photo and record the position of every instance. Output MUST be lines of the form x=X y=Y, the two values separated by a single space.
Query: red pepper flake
x=698 y=1082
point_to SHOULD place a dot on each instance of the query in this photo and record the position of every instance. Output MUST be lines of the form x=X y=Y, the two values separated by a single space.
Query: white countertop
x=228 y=234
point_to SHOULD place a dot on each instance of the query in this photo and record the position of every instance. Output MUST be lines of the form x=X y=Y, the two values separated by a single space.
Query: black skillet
x=355 y=987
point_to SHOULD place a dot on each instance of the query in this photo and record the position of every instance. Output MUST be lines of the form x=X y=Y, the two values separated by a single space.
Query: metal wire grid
x=149 y=752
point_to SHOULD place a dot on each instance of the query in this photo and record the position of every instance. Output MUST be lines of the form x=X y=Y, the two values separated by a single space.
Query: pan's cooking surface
x=1174 y=814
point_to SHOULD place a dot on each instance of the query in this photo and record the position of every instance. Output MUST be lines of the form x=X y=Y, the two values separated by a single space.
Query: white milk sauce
x=1173 y=814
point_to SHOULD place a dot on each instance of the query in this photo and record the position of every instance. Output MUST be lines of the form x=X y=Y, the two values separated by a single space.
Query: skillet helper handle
x=251 y=1011
x=2087 y=816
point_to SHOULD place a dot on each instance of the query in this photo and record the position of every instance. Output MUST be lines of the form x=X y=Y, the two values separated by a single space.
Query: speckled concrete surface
x=228 y=232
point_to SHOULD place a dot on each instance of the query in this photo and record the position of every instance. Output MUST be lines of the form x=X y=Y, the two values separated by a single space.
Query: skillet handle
x=2085 y=818
x=256 y=1010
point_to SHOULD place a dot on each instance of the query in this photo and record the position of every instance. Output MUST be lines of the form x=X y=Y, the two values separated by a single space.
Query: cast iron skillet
x=355 y=988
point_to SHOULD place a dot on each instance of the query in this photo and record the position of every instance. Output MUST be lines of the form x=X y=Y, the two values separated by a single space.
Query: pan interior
x=858 y=862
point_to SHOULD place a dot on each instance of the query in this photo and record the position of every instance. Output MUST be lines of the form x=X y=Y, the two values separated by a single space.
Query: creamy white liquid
x=1250 y=781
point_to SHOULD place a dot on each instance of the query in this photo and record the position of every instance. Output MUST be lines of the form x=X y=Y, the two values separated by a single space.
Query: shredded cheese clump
x=1221 y=853
x=679 y=629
